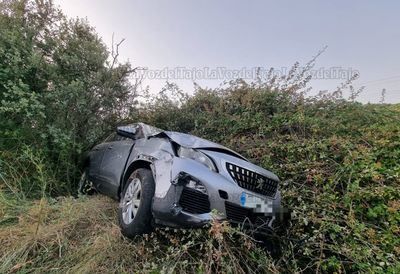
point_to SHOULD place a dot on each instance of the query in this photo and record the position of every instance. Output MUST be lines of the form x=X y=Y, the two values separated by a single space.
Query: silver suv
x=178 y=180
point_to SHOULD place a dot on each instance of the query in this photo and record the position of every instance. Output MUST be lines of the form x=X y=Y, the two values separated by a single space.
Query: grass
x=81 y=235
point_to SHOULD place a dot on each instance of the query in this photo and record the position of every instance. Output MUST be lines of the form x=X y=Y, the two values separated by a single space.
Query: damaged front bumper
x=195 y=196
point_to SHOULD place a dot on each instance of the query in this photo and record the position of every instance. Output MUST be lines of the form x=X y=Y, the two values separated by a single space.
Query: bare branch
x=115 y=51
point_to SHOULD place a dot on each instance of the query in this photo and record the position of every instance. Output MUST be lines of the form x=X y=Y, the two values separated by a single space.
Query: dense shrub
x=61 y=89
x=338 y=161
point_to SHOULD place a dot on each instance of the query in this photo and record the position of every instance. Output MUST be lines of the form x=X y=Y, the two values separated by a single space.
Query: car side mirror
x=126 y=131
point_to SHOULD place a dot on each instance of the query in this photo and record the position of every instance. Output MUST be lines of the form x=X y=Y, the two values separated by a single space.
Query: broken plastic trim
x=190 y=195
x=184 y=179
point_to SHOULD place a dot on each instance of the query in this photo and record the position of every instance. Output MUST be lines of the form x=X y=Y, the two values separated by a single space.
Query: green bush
x=338 y=161
x=61 y=90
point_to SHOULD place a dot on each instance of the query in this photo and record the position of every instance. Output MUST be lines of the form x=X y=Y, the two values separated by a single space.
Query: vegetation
x=60 y=88
x=61 y=91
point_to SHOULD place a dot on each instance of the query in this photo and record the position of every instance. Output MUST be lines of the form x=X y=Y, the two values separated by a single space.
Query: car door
x=113 y=164
x=95 y=159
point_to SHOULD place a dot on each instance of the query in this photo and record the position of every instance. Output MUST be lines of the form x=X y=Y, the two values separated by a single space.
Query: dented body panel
x=189 y=191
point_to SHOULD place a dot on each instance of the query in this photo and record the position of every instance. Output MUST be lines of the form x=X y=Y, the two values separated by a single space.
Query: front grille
x=252 y=181
x=239 y=214
x=194 y=201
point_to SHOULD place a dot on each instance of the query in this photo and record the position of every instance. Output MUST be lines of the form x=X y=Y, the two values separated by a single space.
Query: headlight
x=198 y=156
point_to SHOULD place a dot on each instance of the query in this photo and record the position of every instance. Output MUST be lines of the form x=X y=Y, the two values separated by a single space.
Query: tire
x=134 y=213
x=86 y=186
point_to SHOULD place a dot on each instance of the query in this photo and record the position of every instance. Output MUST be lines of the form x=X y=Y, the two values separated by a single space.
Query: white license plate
x=258 y=204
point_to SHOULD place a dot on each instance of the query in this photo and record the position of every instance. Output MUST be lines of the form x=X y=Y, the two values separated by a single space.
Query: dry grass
x=49 y=236
x=81 y=235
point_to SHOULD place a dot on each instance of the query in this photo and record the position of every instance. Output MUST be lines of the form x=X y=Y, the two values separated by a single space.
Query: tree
x=60 y=88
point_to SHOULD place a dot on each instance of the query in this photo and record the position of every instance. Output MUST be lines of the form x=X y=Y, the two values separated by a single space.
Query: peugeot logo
x=260 y=183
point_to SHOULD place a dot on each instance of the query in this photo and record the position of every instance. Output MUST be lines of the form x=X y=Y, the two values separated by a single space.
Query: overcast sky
x=230 y=37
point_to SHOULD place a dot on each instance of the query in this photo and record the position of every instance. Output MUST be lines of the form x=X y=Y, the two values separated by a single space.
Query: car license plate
x=259 y=205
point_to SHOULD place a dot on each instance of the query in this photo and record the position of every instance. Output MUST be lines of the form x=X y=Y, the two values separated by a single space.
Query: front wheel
x=134 y=212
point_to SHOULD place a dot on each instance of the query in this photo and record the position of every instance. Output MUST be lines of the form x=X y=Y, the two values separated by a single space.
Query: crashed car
x=174 y=179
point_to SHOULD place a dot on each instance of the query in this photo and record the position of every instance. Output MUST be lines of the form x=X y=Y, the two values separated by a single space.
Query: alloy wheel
x=131 y=201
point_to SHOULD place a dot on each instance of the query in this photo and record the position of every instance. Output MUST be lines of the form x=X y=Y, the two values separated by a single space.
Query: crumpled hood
x=190 y=141
x=186 y=140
